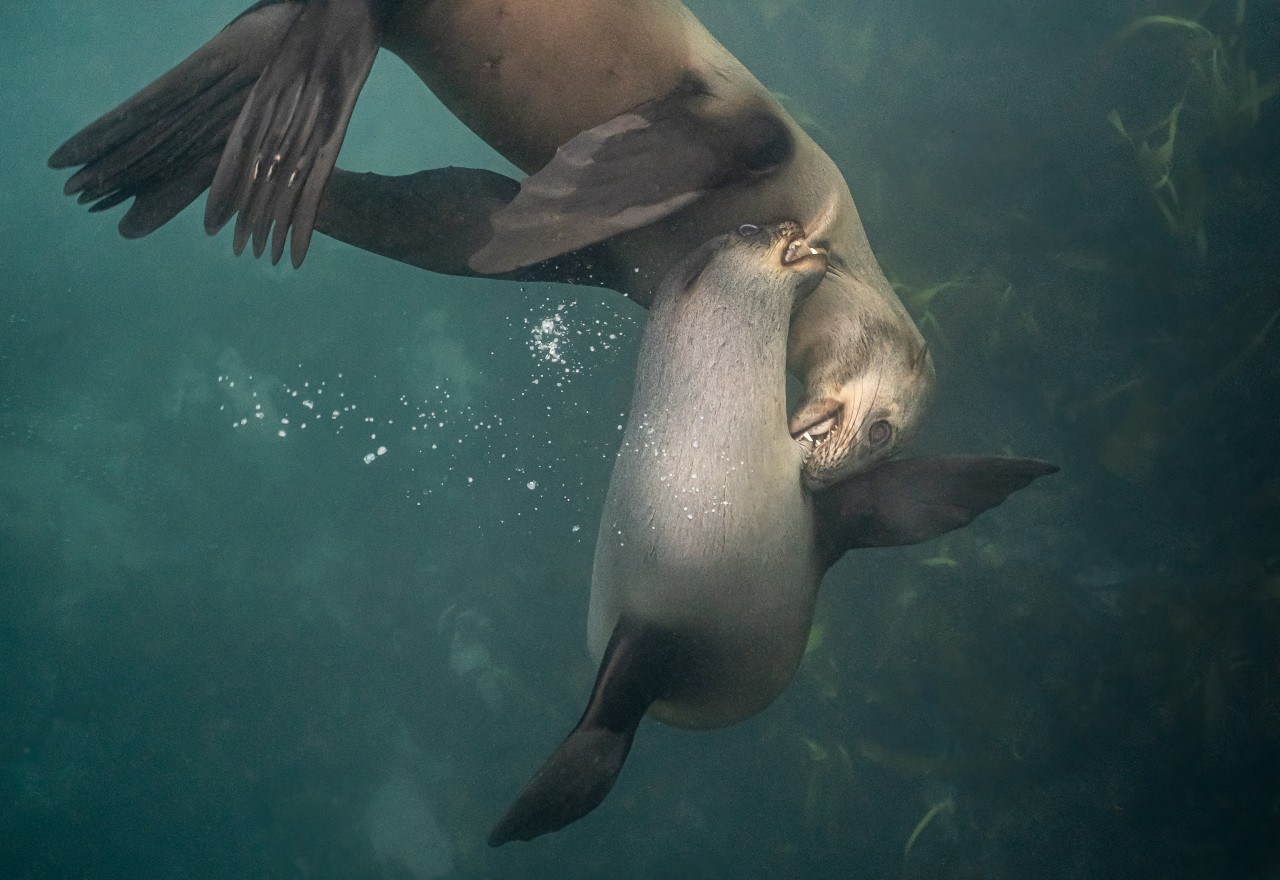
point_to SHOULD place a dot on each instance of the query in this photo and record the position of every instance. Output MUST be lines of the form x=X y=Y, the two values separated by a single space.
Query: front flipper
x=906 y=501
x=161 y=146
x=434 y=220
x=284 y=145
x=632 y=171
x=640 y=666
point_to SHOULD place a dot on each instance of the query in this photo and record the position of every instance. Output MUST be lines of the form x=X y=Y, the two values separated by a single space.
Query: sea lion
x=711 y=547
x=641 y=134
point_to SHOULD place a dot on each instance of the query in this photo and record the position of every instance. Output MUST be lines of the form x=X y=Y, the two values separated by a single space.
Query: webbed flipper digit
x=161 y=147
x=640 y=665
x=910 y=500
x=631 y=171
x=286 y=140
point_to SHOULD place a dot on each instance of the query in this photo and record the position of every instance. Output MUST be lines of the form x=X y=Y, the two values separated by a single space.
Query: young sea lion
x=711 y=548
x=642 y=135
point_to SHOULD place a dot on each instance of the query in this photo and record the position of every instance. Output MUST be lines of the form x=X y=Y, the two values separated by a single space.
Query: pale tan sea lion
x=711 y=548
x=642 y=135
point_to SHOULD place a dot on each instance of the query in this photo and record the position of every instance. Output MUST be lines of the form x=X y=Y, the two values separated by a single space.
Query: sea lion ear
x=631 y=171
x=906 y=501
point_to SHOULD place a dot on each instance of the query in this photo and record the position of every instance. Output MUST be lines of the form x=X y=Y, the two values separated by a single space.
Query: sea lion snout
x=852 y=422
x=793 y=247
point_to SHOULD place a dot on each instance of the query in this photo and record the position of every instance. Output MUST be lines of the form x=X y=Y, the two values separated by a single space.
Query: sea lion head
x=783 y=248
x=862 y=402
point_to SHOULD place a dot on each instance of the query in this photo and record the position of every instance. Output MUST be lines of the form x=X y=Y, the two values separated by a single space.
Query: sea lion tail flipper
x=161 y=146
x=433 y=220
x=634 y=170
x=637 y=669
x=906 y=501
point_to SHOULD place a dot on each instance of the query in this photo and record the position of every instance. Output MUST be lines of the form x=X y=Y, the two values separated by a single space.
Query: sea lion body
x=504 y=69
x=711 y=546
x=707 y=529
x=528 y=75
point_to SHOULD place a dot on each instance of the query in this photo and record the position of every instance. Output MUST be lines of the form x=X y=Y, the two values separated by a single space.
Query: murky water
x=294 y=565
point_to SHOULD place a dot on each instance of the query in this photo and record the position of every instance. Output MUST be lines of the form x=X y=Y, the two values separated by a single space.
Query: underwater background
x=294 y=565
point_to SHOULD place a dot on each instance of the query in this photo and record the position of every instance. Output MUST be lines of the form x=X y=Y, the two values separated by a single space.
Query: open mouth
x=819 y=432
x=798 y=249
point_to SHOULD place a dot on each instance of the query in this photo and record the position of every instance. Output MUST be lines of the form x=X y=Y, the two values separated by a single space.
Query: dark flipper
x=256 y=116
x=162 y=145
x=632 y=171
x=435 y=219
x=285 y=142
x=640 y=665
x=906 y=501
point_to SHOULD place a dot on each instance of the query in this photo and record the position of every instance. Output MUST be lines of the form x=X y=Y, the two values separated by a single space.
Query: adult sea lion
x=641 y=133
x=711 y=548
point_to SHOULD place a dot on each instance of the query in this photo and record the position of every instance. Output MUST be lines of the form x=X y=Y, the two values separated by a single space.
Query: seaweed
x=1223 y=93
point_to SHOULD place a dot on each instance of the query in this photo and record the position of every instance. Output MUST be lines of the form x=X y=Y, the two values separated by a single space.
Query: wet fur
x=707 y=528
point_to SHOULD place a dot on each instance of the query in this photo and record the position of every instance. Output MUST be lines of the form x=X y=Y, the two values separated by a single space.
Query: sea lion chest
x=707 y=530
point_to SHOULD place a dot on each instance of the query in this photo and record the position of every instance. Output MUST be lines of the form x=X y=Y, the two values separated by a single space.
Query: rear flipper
x=162 y=145
x=640 y=666
x=435 y=219
x=256 y=115
x=284 y=145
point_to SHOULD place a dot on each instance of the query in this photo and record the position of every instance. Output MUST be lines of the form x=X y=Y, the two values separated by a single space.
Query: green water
x=294 y=565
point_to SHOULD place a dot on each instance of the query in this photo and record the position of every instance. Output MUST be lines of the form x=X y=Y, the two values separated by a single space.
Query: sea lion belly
x=726 y=561
x=707 y=531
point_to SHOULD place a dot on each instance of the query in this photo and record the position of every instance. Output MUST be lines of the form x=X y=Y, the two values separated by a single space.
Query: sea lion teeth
x=795 y=251
x=820 y=431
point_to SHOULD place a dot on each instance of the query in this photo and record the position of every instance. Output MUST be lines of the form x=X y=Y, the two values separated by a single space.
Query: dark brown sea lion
x=711 y=548
x=641 y=133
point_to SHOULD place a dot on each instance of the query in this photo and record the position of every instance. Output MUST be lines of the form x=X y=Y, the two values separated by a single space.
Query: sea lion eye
x=746 y=230
x=879 y=433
